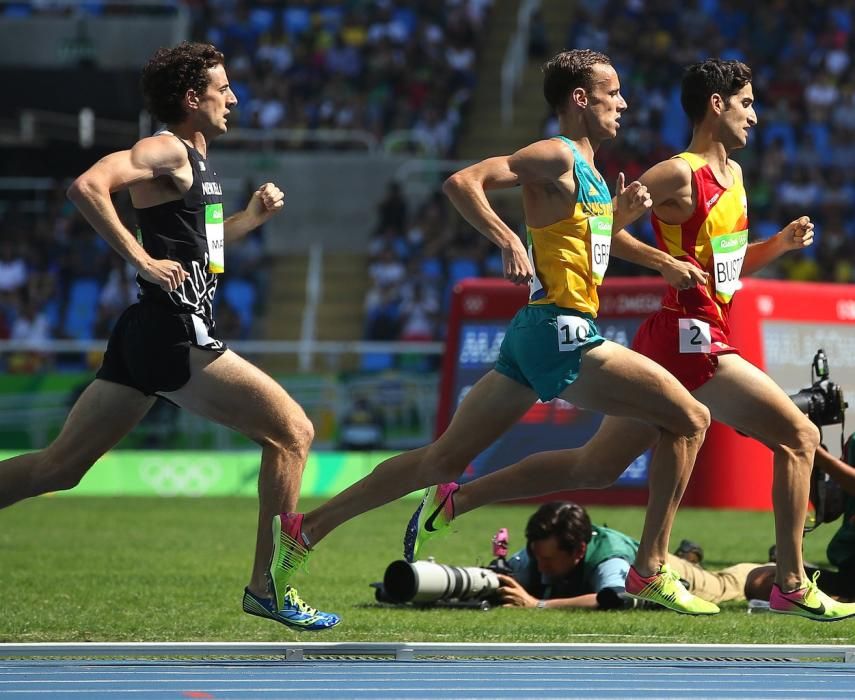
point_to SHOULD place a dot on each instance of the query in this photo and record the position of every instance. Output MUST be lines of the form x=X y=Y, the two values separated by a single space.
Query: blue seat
x=241 y=295
x=52 y=310
x=462 y=268
x=376 y=361
x=82 y=309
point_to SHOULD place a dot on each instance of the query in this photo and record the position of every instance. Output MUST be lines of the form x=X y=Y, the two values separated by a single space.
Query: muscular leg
x=233 y=392
x=492 y=406
x=597 y=464
x=103 y=415
x=747 y=399
x=620 y=382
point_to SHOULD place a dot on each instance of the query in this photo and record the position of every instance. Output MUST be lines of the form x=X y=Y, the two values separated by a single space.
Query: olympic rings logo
x=180 y=476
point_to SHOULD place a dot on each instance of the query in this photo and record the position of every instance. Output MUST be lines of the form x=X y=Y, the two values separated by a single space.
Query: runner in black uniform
x=150 y=345
x=166 y=345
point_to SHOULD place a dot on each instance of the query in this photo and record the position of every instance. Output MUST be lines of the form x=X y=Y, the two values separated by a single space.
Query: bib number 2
x=695 y=336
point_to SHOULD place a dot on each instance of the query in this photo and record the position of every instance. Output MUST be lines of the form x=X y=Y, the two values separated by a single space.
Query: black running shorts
x=149 y=348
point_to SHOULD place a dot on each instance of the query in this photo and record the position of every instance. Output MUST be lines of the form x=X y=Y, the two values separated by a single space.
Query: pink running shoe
x=809 y=602
x=666 y=589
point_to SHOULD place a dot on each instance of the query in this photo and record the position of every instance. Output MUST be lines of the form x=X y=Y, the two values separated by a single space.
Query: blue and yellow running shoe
x=295 y=613
x=434 y=514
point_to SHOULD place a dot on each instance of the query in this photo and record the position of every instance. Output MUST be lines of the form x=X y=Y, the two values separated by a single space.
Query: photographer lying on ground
x=570 y=563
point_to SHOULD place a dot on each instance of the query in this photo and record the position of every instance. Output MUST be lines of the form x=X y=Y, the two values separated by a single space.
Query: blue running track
x=437 y=680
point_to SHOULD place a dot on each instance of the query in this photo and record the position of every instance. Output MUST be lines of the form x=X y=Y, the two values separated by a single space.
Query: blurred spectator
x=118 y=293
x=13 y=268
x=362 y=427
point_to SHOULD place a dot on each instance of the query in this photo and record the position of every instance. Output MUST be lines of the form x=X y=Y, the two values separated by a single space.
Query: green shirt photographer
x=570 y=563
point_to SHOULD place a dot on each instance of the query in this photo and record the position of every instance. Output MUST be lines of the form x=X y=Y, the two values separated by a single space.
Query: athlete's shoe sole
x=296 y=614
x=419 y=528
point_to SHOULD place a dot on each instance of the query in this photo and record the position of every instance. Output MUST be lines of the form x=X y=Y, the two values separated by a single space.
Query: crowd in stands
x=800 y=155
x=380 y=66
x=376 y=66
x=799 y=159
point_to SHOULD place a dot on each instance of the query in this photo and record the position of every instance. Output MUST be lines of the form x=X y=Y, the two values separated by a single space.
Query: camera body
x=822 y=402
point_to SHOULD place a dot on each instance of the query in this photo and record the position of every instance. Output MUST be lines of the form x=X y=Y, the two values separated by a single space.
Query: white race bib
x=694 y=335
x=573 y=332
x=216 y=238
x=728 y=255
x=601 y=243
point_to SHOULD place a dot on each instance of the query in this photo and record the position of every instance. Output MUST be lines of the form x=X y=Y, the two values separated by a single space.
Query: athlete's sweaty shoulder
x=669 y=183
x=163 y=154
x=542 y=162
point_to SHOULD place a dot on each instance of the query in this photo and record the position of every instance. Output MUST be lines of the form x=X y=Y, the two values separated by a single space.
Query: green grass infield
x=173 y=569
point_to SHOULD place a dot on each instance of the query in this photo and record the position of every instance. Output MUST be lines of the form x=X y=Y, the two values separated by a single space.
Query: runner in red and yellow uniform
x=691 y=330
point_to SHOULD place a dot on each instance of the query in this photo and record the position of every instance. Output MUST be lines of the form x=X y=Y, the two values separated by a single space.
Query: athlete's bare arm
x=266 y=201
x=669 y=186
x=837 y=469
x=156 y=170
x=542 y=169
x=514 y=595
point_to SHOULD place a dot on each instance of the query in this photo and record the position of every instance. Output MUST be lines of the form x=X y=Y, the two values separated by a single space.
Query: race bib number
x=728 y=254
x=695 y=336
x=601 y=243
x=216 y=238
x=573 y=332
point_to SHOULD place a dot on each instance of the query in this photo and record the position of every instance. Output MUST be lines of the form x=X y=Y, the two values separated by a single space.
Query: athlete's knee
x=694 y=422
x=294 y=435
x=803 y=440
x=807 y=436
x=440 y=465
x=55 y=472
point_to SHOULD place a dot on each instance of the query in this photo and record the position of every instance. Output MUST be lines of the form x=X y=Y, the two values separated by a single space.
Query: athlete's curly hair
x=568 y=70
x=568 y=522
x=170 y=73
x=707 y=78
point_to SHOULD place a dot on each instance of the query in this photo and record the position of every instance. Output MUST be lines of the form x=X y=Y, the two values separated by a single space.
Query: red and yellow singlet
x=692 y=326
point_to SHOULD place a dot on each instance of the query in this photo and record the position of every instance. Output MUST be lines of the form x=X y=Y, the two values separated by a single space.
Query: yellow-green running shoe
x=290 y=554
x=809 y=602
x=666 y=589
x=434 y=514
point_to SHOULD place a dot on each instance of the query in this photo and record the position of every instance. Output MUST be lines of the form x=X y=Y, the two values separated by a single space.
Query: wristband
x=540 y=604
